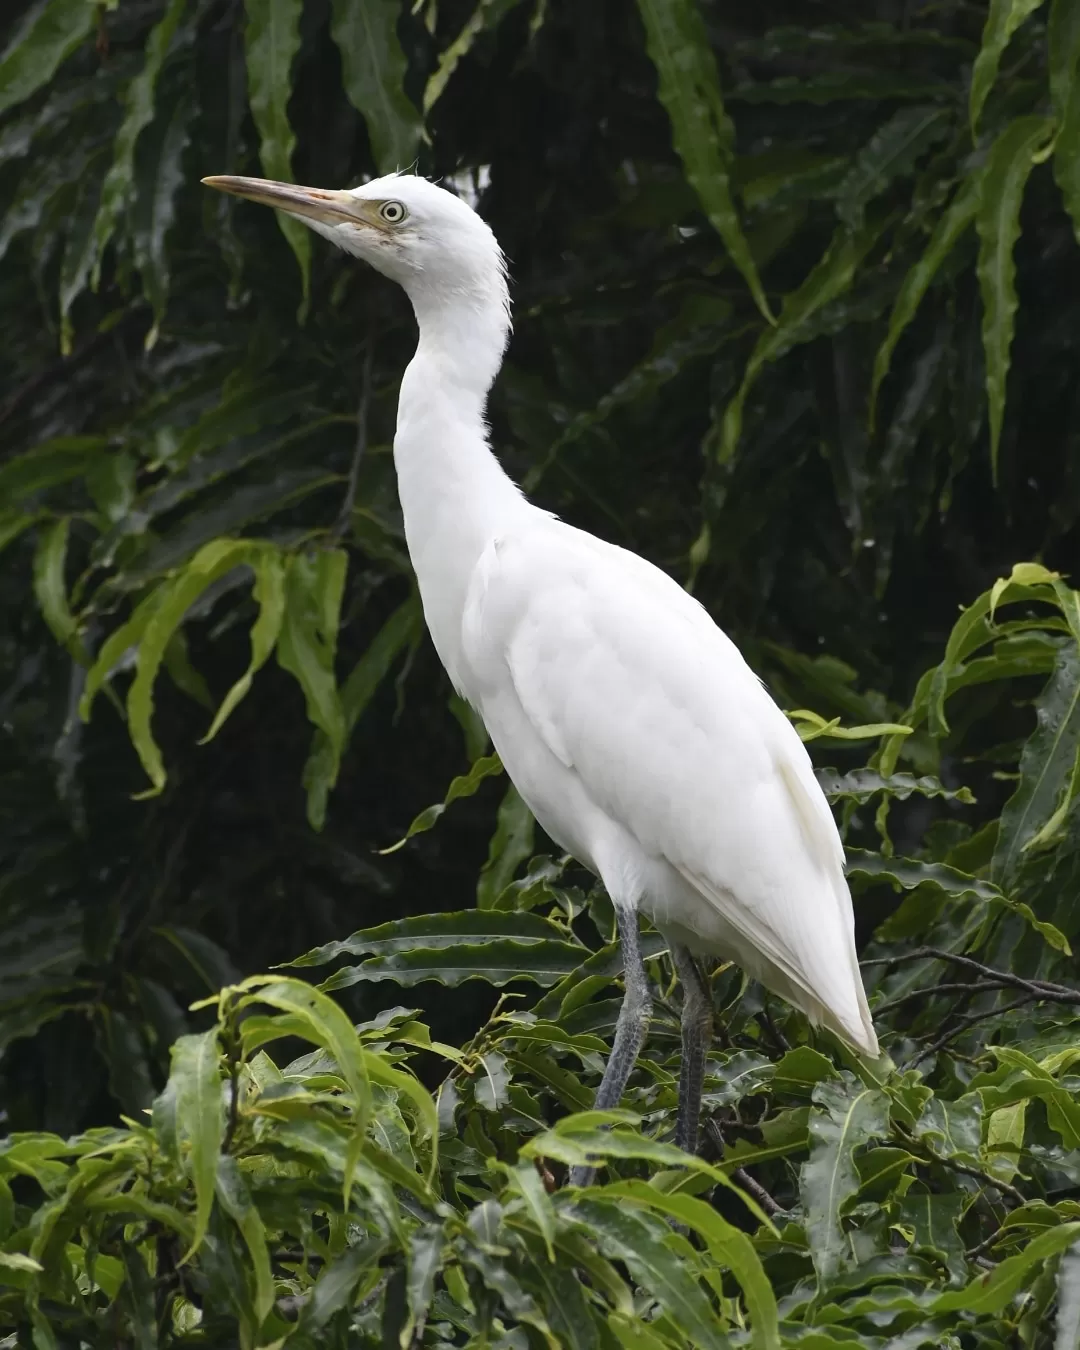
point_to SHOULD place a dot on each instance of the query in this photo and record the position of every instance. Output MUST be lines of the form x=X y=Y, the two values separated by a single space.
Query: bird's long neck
x=455 y=497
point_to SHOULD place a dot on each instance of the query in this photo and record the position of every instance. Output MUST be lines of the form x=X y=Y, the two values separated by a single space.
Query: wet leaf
x=846 y=1116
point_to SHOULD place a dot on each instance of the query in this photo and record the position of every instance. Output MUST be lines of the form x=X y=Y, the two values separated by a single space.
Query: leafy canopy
x=795 y=293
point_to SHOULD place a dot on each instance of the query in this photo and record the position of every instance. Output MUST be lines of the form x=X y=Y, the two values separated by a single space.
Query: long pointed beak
x=326 y=205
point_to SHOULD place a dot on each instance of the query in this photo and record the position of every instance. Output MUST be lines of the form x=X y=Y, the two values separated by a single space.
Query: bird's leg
x=629 y=1030
x=697 y=1022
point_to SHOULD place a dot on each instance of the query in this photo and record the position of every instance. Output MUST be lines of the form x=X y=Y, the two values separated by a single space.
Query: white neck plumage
x=455 y=497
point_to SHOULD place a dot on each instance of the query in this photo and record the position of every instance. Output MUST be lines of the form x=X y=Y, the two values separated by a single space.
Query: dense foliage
x=795 y=288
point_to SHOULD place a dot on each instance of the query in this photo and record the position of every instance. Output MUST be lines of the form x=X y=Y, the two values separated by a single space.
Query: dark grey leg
x=629 y=1030
x=697 y=1022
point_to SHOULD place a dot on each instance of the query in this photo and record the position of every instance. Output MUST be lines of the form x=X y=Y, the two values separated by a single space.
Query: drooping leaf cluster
x=795 y=293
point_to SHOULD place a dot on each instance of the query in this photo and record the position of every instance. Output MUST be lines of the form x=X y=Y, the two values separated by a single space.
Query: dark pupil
x=392 y=212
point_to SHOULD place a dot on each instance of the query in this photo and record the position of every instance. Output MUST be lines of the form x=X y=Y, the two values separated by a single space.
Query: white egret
x=631 y=725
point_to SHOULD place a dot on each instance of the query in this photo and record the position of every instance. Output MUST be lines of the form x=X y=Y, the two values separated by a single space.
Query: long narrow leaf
x=998 y=223
x=54 y=30
x=139 y=111
x=701 y=129
x=373 y=70
x=272 y=41
x=1004 y=19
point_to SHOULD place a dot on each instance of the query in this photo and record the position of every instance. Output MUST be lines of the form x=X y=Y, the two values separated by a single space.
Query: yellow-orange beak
x=326 y=205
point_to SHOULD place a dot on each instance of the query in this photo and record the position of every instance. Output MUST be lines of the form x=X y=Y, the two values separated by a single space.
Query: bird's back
x=615 y=700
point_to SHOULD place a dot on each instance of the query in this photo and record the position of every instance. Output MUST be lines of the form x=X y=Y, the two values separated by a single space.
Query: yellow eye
x=393 y=212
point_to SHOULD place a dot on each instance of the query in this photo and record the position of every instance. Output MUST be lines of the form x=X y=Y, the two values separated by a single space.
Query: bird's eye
x=393 y=212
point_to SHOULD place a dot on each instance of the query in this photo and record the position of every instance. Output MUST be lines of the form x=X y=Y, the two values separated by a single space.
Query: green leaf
x=497 y=963
x=373 y=69
x=158 y=625
x=811 y=726
x=1067 y=1329
x=728 y=1247
x=1067 y=155
x=117 y=189
x=949 y=229
x=510 y=845
x=846 y=1116
x=195 y=1089
x=465 y=785
x=472 y=927
x=269 y=595
x=689 y=88
x=860 y=785
x=1063 y=53
x=643 y=1243
x=1049 y=771
x=402 y=629
x=829 y=279
x=235 y=1199
x=1004 y=19
x=486 y=16
x=50 y=588
x=272 y=40
x=589 y=1136
x=80 y=249
x=1001 y=192
x=316 y=1017
x=524 y=1181
x=141 y=1297
x=427 y=1249
x=314 y=586
x=155 y=211
x=47 y=465
x=48 y=36
x=892 y=152
x=991 y=1292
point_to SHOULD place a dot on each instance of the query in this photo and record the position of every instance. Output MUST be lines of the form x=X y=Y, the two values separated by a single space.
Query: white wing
x=653 y=711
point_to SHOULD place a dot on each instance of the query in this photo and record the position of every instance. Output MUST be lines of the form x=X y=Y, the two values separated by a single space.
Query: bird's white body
x=630 y=724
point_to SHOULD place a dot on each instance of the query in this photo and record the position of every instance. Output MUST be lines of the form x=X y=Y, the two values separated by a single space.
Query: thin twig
x=927 y=1156
x=777 y=1035
x=740 y=1174
x=345 y=514
x=967 y=1020
x=959 y=987
x=758 y=1191
x=973 y=1253
x=1042 y=989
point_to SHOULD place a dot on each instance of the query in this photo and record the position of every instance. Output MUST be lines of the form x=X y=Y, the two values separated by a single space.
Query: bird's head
x=411 y=230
